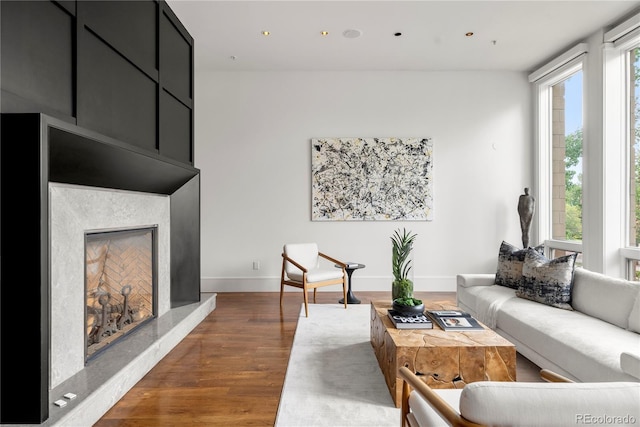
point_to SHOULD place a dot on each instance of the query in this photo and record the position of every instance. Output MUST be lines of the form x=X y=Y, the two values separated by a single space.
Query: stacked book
x=402 y=321
x=454 y=320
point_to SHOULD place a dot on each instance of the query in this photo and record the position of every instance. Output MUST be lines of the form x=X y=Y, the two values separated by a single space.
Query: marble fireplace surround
x=74 y=210
x=100 y=383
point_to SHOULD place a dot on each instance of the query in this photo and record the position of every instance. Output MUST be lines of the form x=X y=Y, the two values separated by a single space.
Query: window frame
x=568 y=64
x=617 y=66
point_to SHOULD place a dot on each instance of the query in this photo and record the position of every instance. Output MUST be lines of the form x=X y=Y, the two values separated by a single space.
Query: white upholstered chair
x=303 y=267
x=558 y=402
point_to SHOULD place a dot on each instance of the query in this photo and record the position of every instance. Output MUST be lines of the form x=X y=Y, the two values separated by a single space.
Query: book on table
x=455 y=320
x=418 y=321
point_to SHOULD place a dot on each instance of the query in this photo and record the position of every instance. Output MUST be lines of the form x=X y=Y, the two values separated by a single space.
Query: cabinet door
x=116 y=97
x=176 y=96
x=37 y=58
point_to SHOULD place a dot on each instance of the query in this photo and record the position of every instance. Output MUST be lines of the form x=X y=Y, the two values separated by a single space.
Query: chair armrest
x=446 y=411
x=304 y=270
x=552 y=377
x=480 y=279
x=335 y=261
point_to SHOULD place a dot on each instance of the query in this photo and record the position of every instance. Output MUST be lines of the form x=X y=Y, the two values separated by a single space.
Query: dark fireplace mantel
x=35 y=150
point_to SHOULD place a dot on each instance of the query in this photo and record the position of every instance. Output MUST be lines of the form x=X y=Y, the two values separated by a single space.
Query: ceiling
x=507 y=35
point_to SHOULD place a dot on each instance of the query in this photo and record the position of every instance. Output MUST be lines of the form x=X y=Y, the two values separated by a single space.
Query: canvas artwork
x=372 y=179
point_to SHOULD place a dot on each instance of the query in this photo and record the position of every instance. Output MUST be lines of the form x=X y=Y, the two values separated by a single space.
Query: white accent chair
x=302 y=268
x=557 y=402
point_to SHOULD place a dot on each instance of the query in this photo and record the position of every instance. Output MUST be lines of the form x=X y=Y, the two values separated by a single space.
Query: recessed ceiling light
x=266 y=33
x=469 y=34
x=352 y=34
x=324 y=33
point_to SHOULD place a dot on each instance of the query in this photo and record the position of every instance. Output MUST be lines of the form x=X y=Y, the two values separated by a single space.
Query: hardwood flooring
x=229 y=371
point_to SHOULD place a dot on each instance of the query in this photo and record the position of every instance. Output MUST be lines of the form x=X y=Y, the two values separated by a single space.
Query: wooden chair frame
x=450 y=415
x=306 y=286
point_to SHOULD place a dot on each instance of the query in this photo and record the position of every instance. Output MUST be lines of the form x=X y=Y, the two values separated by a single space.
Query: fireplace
x=120 y=285
x=72 y=180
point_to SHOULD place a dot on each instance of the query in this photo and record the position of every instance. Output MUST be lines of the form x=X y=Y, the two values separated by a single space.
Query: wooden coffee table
x=443 y=359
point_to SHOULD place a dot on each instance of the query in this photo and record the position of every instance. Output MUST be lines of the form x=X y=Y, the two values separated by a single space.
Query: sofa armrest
x=478 y=279
x=630 y=364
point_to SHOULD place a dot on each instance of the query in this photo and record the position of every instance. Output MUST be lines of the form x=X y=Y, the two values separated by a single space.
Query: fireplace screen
x=120 y=283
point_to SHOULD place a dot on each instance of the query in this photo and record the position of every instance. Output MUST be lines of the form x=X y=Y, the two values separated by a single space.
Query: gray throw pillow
x=547 y=281
x=510 y=261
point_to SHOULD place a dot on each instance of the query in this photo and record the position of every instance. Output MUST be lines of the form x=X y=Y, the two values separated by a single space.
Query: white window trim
x=545 y=78
x=559 y=62
x=630 y=253
x=564 y=245
x=623 y=29
x=617 y=123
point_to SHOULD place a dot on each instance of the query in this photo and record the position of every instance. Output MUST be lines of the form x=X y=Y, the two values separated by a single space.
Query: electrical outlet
x=256 y=265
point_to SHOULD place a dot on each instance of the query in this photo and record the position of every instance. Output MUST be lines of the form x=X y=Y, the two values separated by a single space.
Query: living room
x=253 y=127
x=481 y=119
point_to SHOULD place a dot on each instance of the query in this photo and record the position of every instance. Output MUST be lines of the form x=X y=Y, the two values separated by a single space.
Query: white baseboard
x=359 y=283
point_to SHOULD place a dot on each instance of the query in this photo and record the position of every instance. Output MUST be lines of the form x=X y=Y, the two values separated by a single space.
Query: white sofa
x=597 y=341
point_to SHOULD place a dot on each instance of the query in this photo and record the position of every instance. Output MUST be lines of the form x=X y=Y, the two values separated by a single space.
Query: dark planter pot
x=409 y=310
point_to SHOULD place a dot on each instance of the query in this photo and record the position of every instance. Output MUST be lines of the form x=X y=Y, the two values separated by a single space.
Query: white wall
x=252 y=142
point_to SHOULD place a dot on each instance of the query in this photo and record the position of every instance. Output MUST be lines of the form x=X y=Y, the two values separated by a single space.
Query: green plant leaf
x=402 y=244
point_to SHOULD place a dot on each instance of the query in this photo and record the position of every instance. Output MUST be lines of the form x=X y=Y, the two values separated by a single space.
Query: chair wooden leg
x=404 y=409
x=281 y=293
x=306 y=301
x=314 y=295
x=344 y=294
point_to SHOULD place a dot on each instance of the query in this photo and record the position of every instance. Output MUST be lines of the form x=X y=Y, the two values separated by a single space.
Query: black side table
x=351 y=266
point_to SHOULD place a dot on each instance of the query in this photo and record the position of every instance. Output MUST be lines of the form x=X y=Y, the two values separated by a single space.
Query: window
x=633 y=162
x=559 y=153
x=622 y=72
x=566 y=159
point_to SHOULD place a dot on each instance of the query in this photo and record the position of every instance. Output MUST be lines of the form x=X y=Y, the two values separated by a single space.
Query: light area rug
x=333 y=378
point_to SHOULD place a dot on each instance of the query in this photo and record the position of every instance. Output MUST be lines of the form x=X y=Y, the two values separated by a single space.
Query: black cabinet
x=121 y=68
x=104 y=92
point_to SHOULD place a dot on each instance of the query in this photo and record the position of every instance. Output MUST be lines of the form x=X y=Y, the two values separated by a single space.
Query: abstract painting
x=371 y=179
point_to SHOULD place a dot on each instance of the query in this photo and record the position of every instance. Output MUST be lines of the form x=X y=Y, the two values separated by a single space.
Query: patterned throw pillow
x=510 y=260
x=547 y=281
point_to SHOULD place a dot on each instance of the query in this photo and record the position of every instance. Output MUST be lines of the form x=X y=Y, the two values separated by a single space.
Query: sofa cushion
x=547 y=281
x=484 y=302
x=634 y=316
x=550 y=404
x=510 y=261
x=630 y=364
x=585 y=347
x=604 y=297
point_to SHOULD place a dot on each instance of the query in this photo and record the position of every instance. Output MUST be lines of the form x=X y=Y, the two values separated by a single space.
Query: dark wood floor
x=229 y=371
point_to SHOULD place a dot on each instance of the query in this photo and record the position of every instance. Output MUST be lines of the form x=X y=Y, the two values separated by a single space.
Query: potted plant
x=402 y=287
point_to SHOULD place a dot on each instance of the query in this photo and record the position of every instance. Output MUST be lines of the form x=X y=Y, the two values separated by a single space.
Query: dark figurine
x=526 y=207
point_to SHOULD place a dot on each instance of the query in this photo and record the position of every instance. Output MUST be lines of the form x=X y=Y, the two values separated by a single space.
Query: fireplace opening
x=120 y=284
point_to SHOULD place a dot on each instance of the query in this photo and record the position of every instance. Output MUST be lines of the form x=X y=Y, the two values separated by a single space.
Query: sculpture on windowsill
x=526 y=208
